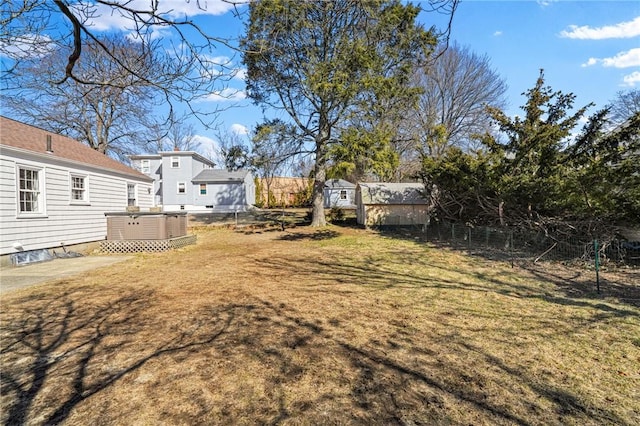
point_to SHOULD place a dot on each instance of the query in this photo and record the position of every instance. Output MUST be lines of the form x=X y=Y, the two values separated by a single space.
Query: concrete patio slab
x=17 y=277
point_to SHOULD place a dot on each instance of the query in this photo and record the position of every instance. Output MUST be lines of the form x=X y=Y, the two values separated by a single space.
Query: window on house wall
x=30 y=199
x=343 y=194
x=131 y=194
x=145 y=166
x=182 y=187
x=203 y=189
x=79 y=189
x=175 y=162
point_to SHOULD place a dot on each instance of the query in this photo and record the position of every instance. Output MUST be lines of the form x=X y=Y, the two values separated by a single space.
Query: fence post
x=453 y=232
x=597 y=261
x=511 y=245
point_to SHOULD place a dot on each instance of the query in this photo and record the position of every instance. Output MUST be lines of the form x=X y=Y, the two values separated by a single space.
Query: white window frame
x=135 y=194
x=184 y=187
x=201 y=187
x=145 y=166
x=175 y=162
x=85 y=190
x=41 y=198
x=343 y=194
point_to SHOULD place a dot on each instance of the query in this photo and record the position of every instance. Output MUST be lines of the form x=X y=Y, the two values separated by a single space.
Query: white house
x=339 y=193
x=186 y=181
x=54 y=191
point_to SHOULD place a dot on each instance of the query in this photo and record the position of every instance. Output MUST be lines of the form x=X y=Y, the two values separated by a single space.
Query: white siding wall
x=64 y=222
x=250 y=188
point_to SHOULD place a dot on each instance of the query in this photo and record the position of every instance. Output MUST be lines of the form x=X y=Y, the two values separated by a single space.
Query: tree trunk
x=320 y=175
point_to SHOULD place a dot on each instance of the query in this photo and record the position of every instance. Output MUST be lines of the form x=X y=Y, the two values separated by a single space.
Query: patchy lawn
x=331 y=326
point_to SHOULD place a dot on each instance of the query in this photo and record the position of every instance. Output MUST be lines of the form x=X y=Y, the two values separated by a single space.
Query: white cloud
x=227 y=95
x=216 y=66
x=30 y=45
x=627 y=59
x=632 y=79
x=239 y=129
x=622 y=30
x=497 y=33
x=239 y=73
x=106 y=18
x=208 y=147
x=630 y=58
x=545 y=3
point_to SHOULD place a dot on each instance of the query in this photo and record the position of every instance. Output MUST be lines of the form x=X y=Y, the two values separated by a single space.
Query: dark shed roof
x=220 y=176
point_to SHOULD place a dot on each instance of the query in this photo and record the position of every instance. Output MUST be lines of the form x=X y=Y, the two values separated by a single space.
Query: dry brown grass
x=336 y=326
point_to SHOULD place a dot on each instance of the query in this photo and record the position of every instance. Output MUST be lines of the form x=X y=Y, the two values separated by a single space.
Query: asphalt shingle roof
x=392 y=193
x=338 y=183
x=220 y=176
x=29 y=138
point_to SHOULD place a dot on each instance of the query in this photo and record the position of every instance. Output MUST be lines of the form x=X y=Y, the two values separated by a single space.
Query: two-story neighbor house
x=54 y=190
x=185 y=180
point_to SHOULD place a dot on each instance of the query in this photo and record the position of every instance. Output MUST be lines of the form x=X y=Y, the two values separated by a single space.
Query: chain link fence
x=524 y=244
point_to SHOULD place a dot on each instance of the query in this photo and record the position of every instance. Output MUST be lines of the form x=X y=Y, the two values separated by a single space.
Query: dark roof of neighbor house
x=220 y=176
x=392 y=193
x=339 y=184
x=33 y=139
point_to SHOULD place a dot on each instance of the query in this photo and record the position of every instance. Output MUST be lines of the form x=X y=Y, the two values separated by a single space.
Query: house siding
x=235 y=195
x=155 y=172
x=64 y=222
x=170 y=178
x=224 y=190
x=332 y=198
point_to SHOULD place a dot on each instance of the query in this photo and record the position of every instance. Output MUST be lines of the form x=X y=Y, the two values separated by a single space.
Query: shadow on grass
x=317 y=235
x=574 y=282
x=59 y=352
x=391 y=273
x=63 y=343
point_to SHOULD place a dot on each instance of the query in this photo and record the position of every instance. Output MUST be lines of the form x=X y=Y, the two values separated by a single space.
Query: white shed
x=339 y=193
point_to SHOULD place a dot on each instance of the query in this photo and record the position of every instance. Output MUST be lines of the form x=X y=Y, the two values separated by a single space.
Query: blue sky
x=589 y=48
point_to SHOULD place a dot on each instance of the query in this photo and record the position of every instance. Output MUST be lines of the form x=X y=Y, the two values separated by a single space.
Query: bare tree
x=113 y=117
x=624 y=106
x=181 y=135
x=458 y=87
x=177 y=65
x=233 y=150
x=274 y=149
